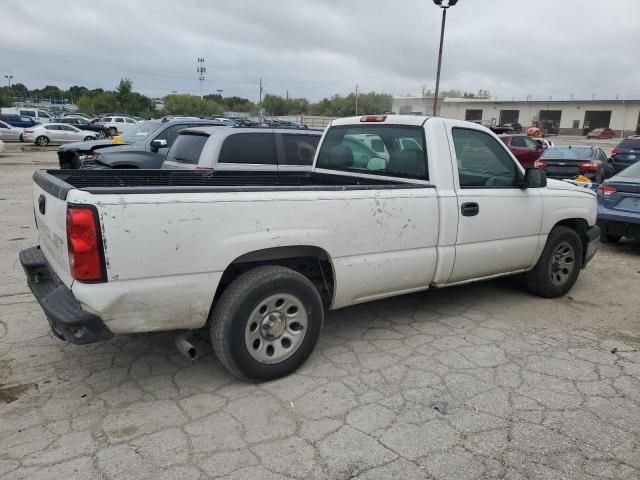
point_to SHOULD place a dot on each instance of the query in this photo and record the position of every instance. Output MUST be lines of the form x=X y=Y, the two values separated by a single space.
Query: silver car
x=9 y=132
x=56 y=133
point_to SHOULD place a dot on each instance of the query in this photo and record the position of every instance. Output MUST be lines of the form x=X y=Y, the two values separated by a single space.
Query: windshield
x=396 y=151
x=140 y=132
x=631 y=172
x=568 y=153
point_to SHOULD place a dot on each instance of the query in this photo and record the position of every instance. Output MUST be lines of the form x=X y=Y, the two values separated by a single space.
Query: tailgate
x=50 y=211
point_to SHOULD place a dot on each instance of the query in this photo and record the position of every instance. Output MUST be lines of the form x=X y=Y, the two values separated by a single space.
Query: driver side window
x=482 y=161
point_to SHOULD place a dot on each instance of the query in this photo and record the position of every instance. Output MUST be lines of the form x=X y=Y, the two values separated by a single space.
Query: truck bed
x=59 y=182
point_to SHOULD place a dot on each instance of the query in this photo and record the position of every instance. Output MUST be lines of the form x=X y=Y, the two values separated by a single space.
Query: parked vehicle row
x=569 y=162
x=9 y=132
x=43 y=135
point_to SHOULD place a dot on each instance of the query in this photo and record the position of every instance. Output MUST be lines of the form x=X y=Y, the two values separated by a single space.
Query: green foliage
x=123 y=99
x=5 y=100
x=192 y=105
x=276 y=105
x=339 y=106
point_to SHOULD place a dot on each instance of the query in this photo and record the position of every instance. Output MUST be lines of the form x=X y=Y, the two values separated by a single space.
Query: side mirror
x=158 y=144
x=534 y=178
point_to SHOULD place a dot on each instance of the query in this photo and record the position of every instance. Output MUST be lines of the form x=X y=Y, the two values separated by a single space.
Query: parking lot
x=478 y=381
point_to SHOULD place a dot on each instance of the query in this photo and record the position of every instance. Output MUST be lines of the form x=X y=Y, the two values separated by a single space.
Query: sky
x=316 y=48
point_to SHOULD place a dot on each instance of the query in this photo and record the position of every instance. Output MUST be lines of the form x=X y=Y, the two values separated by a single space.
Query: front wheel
x=101 y=134
x=42 y=141
x=559 y=265
x=88 y=138
x=266 y=323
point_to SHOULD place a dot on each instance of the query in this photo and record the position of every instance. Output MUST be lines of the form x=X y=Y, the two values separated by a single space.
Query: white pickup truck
x=394 y=204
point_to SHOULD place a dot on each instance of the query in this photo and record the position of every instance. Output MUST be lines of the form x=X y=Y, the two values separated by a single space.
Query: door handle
x=470 y=209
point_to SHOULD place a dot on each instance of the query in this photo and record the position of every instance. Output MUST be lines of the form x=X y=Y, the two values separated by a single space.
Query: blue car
x=21 y=121
x=619 y=205
x=626 y=153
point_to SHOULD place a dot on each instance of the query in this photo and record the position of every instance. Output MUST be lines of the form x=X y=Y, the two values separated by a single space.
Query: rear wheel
x=101 y=134
x=266 y=323
x=88 y=138
x=112 y=131
x=42 y=141
x=559 y=265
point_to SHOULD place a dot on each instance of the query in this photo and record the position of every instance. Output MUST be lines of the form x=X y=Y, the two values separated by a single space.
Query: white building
x=567 y=117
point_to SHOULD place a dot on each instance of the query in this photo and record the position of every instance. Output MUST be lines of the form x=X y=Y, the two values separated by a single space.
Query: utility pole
x=201 y=69
x=287 y=94
x=260 y=103
x=444 y=7
x=356 y=99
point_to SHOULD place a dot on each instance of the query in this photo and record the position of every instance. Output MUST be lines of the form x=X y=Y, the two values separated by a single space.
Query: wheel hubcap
x=276 y=328
x=562 y=264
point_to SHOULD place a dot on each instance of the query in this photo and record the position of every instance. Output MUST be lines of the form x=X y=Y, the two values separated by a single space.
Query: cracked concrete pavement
x=535 y=388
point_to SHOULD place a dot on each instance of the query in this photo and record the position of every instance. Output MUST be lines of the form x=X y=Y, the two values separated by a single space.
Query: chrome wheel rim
x=562 y=263
x=276 y=328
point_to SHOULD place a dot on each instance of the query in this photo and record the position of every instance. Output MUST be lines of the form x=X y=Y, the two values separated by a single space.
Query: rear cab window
x=386 y=150
x=187 y=148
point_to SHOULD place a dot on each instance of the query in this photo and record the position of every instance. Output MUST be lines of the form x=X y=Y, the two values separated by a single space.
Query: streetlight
x=444 y=5
x=219 y=91
x=9 y=77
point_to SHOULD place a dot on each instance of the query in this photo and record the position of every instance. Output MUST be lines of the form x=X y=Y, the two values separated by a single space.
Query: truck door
x=498 y=221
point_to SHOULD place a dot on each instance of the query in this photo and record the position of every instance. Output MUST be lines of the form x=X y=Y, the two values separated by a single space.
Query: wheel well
x=312 y=262
x=580 y=225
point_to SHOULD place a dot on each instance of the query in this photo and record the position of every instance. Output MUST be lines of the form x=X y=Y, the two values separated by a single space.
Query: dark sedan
x=569 y=162
x=626 y=153
x=84 y=124
x=619 y=205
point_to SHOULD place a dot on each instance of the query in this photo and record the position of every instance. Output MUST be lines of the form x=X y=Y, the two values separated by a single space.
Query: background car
x=525 y=149
x=619 y=205
x=545 y=143
x=83 y=124
x=118 y=125
x=626 y=153
x=1 y=146
x=9 y=132
x=143 y=146
x=56 y=133
x=568 y=162
x=21 y=121
x=601 y=133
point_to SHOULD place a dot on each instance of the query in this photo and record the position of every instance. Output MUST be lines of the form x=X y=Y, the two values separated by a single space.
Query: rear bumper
x=67 y=319
x=592 y=244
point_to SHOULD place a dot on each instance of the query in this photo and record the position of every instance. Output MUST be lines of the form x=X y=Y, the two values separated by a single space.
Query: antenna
x=201 y=69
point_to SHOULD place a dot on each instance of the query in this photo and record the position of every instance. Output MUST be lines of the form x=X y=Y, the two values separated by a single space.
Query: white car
x=256 y=258
x=56 y=133
x=117 y=124
x=2 y=146
x=9 y=132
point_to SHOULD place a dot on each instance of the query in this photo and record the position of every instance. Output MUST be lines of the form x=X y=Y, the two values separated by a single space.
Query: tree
x=5 y=100
x=191 y=105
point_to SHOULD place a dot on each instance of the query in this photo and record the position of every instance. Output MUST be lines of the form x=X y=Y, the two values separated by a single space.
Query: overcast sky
x=315 y=48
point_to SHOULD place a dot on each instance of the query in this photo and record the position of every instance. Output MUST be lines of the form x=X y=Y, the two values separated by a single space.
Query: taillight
x=615 y=151
x=28 y=131
x=588 y=166
x=373 y=118
x=84 y=242
x=606 y=190
x=540 y=164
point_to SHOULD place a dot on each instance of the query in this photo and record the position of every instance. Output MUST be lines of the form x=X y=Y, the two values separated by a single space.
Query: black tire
x=113 y=131
x=42 y=141
x=88 y=138
x=101 y=134
x=547 y=279
x=233 y=316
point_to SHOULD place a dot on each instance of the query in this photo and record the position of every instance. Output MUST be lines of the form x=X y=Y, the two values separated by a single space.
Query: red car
x=601 y=133
x=525 y=149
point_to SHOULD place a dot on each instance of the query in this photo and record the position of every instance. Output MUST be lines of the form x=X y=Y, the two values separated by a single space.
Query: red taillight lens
x=615 y=151
x=85 y=244
x=606 y=190
x=540 y=164
x=28 y=131
x=373 y=118
x=588 y=166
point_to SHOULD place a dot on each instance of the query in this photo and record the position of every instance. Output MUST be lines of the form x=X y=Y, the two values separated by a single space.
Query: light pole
x=444 y=5
x=9 y=77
